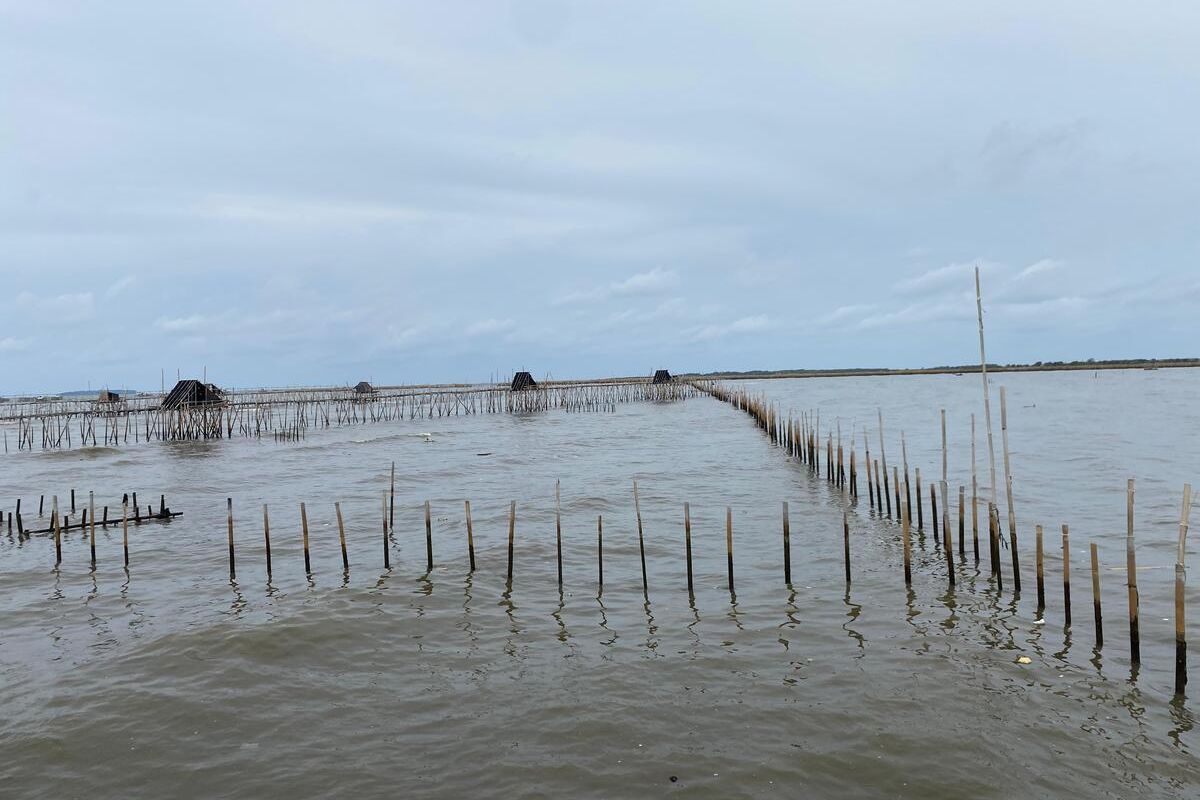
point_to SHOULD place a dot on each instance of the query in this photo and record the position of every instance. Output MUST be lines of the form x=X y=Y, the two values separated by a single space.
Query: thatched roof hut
x=362 y=387
x=106 y=396
x=661 y=376
x=522 y=381
x=190 y=392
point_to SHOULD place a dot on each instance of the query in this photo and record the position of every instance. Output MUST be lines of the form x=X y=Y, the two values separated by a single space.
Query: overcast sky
x=300 y=193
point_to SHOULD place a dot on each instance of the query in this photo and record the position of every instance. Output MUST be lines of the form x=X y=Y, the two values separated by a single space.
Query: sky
x=293 y=193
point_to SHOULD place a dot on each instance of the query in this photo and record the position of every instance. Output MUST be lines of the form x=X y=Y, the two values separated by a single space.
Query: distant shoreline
x=1051 y=366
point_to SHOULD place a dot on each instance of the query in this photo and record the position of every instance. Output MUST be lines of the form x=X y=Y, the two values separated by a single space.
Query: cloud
x=119 y=286
x=753 y=324
x=653 y=281
x=486 y=327
x=656 y=280
x=842 y=312
x=59 y=308
x=1045 y=265
x=193 y=323
x=11 y=344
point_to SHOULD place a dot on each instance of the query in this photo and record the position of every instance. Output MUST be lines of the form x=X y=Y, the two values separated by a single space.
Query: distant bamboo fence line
x=289 y=415
x=802 y=437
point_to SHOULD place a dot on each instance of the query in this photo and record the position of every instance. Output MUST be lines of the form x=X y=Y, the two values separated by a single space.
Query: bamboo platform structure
x=288 y=414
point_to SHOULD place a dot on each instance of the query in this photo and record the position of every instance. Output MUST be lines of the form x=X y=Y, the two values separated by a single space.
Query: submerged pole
x=637 y=508
x=687 y=539
x=229 y=518
x=1180 y=598
x=787 y=546
x=1135 y=647
x=337 y=507
x=471 y=538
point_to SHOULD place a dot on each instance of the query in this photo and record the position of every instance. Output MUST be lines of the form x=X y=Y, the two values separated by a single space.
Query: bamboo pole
x=471 y=541
x=974 y=495
x=1066 y=548
x=92 y=530
x=1135 y=647
x=125 y=529
x=637 y=508
x=904 y=523
x=267 y=539
x=557 y=532
x=944 y=461
x=729 y=545
x=57 y=532
x=304 y=528
x=1039 y=566
x=512 y=532
x=387 y=559
x=1012 y=517
x=687 y=539
x=392 y=510
x=920 y=513
x=229 y=519
x=337 y=507
x=846 y=544
x=1180 y=598
x=600 y=550
x=947 y=542
x=428 y=539
x=987 y=401
x=883 y=455
x=962 y=523
x=933 y=510
x=787 y=546
x=907 y=485
x=1096 y=613
x=896 y=483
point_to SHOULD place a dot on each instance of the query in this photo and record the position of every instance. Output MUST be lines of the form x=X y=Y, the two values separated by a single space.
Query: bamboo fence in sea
x=290 y=415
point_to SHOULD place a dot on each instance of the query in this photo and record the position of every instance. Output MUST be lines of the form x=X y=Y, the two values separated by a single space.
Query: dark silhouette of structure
x=190 y=393
x=661 y=376
x=522 y=381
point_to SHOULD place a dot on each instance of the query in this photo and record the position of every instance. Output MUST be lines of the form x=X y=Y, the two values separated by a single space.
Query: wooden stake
x=392 y=509
x=947 y=541
x=557 y=533
x=267 y=539
x=787 y=546
x=1180 y=586
x=512 y=532
x=729 y=544
x=846 y=544
x=229 y=518
x=57 y=532
x=92 y=530
x=1066 y=547
x=304 y=528
x=687 y=539
x=883 y=455
x=600 y=550
x=974 y=495
x=125 y=529
x=920 y=513
x=987 y=401
x=904 y=522
x=962 y=522
x=1012 y=517
x=471 y=540
x=1135 y=646
x=337 y=507
x=637 y=508
x=1039 y=563
x=387 y=560
x=428 y=539
x=1099 y=617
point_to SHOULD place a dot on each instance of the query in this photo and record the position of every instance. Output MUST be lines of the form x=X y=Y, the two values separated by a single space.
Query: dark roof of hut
x=662 y=376
x=523 y=380
x=192 y=393
x=107 y=396
x=362 y=387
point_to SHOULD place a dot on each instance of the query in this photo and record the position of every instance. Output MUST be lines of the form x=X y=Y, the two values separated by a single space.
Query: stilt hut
x=362 y=387
x=106 y=396
x=188 y=393
x=661 y=376
x=522 y=381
